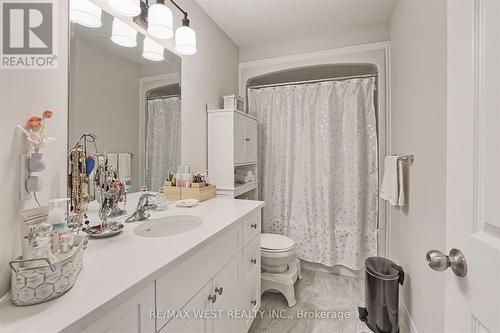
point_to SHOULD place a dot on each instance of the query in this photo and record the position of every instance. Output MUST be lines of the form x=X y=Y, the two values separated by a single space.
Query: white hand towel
x=241 y=179
x=124 y=172
x=401 y=192
x=392 y=183
x=112 y=160
x=244 y=172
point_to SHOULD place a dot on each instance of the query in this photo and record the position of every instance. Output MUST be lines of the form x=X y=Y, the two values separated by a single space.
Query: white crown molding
x=316 y=54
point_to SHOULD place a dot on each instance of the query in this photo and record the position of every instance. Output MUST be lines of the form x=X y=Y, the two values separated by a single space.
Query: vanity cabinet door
x=250 y=140
x=194 y=317
x=239 y=139
x=131 y=316
x=250 y=299
x=226 y=286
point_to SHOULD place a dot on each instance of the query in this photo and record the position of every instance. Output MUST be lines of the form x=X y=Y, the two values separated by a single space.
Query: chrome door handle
x=212 y=298
x=439 y=261
x=219 y=290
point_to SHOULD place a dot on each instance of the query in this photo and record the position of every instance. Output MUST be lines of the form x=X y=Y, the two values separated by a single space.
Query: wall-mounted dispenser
x=29 y=180
x=31 y=164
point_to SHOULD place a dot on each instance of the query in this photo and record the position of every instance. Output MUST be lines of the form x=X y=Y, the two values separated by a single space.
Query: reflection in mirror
x=130 y=99
x=124 y=122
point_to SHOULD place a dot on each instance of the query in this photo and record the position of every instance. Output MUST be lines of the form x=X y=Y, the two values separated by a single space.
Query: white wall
x=348 y=37
x=418 y=54
x=105 y=100
x=206 y=77
x=24 y=93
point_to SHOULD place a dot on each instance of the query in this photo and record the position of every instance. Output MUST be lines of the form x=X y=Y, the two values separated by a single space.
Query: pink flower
x=47 y=114
x=34 y=122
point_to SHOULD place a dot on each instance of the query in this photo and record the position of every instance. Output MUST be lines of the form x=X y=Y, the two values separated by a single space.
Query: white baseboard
x=406 y=318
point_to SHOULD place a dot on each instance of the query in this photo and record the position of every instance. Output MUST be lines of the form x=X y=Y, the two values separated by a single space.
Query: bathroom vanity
x=132 y=283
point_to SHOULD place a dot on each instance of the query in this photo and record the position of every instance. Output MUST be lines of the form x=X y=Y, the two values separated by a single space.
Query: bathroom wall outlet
x=23 y=176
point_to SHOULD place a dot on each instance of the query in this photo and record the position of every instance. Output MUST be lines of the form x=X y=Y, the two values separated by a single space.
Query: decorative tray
x=33 y=285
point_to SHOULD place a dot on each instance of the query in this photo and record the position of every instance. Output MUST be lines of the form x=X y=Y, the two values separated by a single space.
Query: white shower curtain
x=319 y=168
x=163 y=140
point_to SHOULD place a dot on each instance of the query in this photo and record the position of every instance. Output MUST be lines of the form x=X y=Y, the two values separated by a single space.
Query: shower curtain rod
x=341 y=78
x=162 y=97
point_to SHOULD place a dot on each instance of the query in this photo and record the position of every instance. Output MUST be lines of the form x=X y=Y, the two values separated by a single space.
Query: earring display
x=90 y=179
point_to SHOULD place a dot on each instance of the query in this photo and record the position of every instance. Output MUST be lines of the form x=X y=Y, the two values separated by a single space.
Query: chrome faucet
x=143 y=208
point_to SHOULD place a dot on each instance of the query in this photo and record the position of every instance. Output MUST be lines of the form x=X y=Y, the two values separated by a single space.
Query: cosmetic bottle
x=186 y=177
x=57 y=219
x=42 y=248
x=178 y=177
x=66 y=249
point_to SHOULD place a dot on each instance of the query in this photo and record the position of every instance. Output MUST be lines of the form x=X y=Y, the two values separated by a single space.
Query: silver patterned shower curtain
x=319 y=171
x=163 y=140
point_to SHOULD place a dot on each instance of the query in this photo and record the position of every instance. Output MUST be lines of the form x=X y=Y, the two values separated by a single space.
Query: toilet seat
x=272 y=243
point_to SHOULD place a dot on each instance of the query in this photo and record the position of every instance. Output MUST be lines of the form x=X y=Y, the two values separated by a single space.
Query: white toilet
x=280 y=266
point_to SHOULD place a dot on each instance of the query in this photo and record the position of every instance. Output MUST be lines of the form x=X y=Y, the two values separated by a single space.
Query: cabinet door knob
x=212 y=298
x=253 y=302
x=247 y=139
x=253 y=225
x=253 y=261
x=219 y=290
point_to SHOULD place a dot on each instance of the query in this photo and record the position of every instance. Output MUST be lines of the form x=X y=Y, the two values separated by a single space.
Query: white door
x=250 y=140
x=226 y=287
x=239 y=139
x=473 y=164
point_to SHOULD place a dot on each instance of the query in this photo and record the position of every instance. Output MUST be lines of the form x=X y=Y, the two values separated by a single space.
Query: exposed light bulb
x=160 y=21
x=85 y=13
x=128 y=8
x=152 y=50
x=123 y=34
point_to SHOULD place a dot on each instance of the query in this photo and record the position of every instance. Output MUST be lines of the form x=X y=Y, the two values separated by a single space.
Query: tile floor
x=338 y=295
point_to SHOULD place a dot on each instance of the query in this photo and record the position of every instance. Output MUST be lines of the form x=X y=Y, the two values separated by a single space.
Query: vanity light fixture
x=157 y=19
x=128 y=8
x=123 y=34
x=85 y=13
x=185 y=38
x=152 y=50
x=160 y=21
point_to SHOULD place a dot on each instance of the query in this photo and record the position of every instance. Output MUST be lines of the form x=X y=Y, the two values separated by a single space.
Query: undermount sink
x=168 y=225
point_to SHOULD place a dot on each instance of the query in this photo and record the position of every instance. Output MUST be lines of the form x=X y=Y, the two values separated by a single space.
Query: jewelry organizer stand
x=90 y=171
x=33 y=285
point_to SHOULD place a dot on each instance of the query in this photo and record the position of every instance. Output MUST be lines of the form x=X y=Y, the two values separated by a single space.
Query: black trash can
x=382 y=280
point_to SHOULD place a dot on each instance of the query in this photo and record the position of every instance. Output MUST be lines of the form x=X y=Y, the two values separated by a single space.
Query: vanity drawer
x=251 y=258
x=175 y=288
x=251 y=227
x=250 y=300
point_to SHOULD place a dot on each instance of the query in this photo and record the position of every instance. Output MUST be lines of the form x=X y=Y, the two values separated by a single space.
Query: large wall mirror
x=129 y=99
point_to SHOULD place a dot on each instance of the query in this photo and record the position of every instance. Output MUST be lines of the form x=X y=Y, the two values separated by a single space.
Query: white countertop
x=115 y=268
